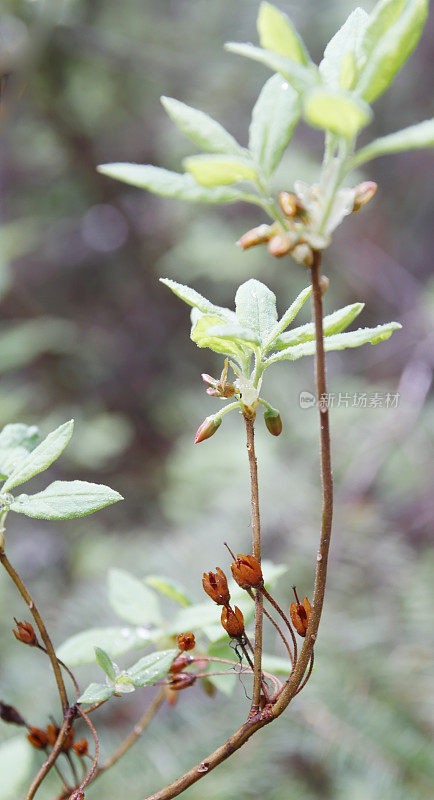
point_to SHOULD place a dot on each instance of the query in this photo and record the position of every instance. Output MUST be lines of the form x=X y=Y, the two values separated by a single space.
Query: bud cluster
x=300 y=614
x=41 y=738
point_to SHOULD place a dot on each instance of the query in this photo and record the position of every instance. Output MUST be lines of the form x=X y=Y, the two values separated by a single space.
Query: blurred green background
x=87 y=331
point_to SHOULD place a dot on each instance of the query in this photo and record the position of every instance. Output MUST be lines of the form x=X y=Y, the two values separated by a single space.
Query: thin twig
x=137 y=731
x=309 y=673
x=62 y=664
x=285 y=619
x=52 y=758
x=94 y=768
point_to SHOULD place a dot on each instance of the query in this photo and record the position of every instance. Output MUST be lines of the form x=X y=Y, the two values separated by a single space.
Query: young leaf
x=193 y=298
x=41 y=457
x=343 y=54
x=16 y=759
x=299 y=76
x=104 y=661
x=288 y=316
x=169 y=588
x=336 y=111
x=392 y=50
x=277 y=33
x=255 y=307
x=382 y=17
x=339 y=341
x=131 y=599
x=332 y=323
x=199 y=334
x=411 y=138
x=215 y=170
x=65 y=500
x=274 y=118
x=97 y=693
x=202 y=129
x=151 y=668
x=181 y=186
x=80 y=648
x=235 y=333
x=16 y=442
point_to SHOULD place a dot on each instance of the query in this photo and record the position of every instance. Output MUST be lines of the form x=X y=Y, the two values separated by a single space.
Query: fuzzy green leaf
x=332 y=323
x=200 y=335
x=384 y=14
x=255 y=307
x=217 y=170
x=298 y=75
x=287 y=318
x=16 y=758
x=277 y=33
x=104 y=661
x=235 y=333
x=202 y=129
x=193 y=298
x=338 y=341
x=97 y=693
x=274 y=117
x=65 y=500
x=151 y=668
x=412 y=138
x=16 y=442
x=169 y=588
x=337 y=111
x=80 y=648
x=131 y=599
x=41 y=457
x=342 y=56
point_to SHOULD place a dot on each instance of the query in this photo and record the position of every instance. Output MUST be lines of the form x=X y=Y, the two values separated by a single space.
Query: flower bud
x=186 y=641
x=300 y=614
x=10 y=714
x=363 y=193
x=216 y=586
x=247 y=572
x=25 y=633
x=324 y=283
x=233 y=621
x=255 y=236
x=181 y=661
x=303 y=254
x=181 y=681
x=273 y=421
x=290 y=204
x=207 y=429
x=81 y=748
x=281 y=244
x=37 y=738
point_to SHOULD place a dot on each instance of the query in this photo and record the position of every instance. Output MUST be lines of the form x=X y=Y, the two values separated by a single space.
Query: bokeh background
x=88 y=332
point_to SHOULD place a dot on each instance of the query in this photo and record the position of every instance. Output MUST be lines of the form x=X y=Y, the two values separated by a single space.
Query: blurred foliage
x=88 y=332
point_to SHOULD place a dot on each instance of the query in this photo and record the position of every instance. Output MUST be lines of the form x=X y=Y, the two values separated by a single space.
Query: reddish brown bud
x=207 y=429
x=182 y=681
x=52 y=734
x=273 y=421
x=25 y=633
x=233 y=621
x=37 y=738
x=180 y=663
x=10 y=714
x=300 y=614
x=186 y=641
x=247 y=572
x=290 y=204
x=216 y=586
x=255 y=236
x=364 y=192
x=81 y=748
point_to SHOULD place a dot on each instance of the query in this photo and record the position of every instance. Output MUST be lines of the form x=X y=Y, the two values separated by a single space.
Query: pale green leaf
x=235 y=333
x=336 y=111
x=202 y=129
x=169 y=588
x=338 y=341
x=193 y=298
x=151 y=668
x=288 y=316
x=392 y=50
x=199 y=334
x=80 y=648
x=97 y=693
x=332 y=323
x=255 y=307
x=41 y=457
x=217 y=170
x=411 y=138
x=16 y=442
x=384 y=14
x=16 y=758
x=180 y=186
x=104 y=661
x=274 y=117
x=298 y=75
x=131 y=599
x=277 y=33
x=342 y=56
x=65 y=500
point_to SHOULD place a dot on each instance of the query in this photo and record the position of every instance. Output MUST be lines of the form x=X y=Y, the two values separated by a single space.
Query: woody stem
x=278 y=629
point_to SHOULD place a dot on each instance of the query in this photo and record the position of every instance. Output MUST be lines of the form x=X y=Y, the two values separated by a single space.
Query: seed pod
x=37 y=738
x=25 y=633
x=186 y=641
x=207 y=429
x=233 y=621
x=255 y=236
x=52 y=734
x=216 y=586
x=182 y=681
x=363 y=193
x=247 y=572
x=10 y=714
x=273 y=421
x=181 y=661
x=300 y=614
x=81 y=748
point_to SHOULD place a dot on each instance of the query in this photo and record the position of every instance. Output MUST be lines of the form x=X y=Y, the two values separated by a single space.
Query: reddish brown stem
x=285 y=619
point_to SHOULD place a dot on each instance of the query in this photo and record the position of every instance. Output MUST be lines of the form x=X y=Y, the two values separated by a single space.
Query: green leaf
x=202 y=129
x=41 y=457
x=215 y=170
x=384 y=14
x=65 y=500
x=104 y=661
x=274 y=117
x=392 y=50
x=16 y=758
x=336 y=111
x=338 y=341
x=299 y=76
x=411 y=138
x=342 y=56
x=151 y=668
x=277 y=33
x=193 y=298
x=332 y=323
x=169 y=588
x=288 y=316
x=97 y=693
x=16 y=442
x=200 y=335
x=131 y=599
x=80 y=648
x=235 y=333
x=255 y=307
x=181 y=186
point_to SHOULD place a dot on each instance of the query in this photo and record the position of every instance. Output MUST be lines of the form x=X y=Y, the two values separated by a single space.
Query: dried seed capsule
x=181 y=661
x=273 y=421
x=52 y=734
x=300 y=614
x=81 y=748
x=233 y=621
x=216 y=586
x=247 y=572
x=25 y=633
x=37 y=738
x=207 y=429
x=186 y=641
x=10 y=714
x=182 y=681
